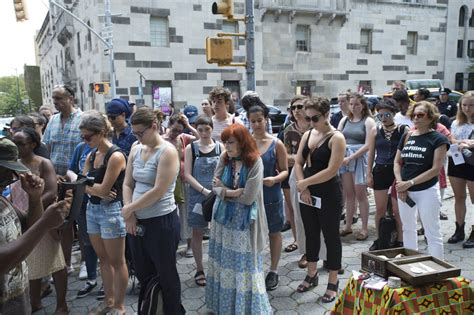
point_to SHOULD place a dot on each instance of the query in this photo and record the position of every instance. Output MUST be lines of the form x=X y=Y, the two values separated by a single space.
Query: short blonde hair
x=431 y=111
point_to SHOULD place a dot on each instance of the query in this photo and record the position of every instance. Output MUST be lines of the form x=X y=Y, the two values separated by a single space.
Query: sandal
x=291 y=248
x=345 y=232
x=101 y=309
x=312 y=281
x=200 y=278
x=46 y=291
x=362 y=236
x=188 y=253
x=326 y=298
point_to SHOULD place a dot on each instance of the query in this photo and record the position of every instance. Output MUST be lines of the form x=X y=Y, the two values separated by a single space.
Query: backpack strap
x=194 y=152
x=93 y=152
x=114 y=148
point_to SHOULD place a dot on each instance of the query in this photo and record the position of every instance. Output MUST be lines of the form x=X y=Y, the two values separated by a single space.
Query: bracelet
x=412 y=182
x=202 y=189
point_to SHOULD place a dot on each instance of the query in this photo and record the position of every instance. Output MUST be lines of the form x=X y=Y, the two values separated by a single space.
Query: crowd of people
x=151 y=174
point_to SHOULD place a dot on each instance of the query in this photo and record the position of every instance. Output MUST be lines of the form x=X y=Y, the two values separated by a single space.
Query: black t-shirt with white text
x=417 y=155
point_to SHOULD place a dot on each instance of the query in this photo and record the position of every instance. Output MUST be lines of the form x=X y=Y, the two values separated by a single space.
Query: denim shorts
x=105 y=219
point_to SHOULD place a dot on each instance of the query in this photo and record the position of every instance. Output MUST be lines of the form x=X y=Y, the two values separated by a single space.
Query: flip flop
x=291 y=248
x=345 y=232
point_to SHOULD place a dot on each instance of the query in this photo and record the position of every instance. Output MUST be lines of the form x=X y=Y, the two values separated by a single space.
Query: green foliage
x=11 y=102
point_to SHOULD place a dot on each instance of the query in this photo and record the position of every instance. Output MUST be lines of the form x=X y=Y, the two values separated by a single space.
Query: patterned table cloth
x=450 y=296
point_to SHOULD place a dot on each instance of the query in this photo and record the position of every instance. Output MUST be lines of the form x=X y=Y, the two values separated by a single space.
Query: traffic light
x=101 y=87
x=224 y=7
x=20 y=10
x=219 y=50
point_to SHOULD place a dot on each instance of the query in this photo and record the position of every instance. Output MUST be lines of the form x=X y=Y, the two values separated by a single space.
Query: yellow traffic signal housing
x=219 y=50
x=20 y=10
x=101 y=87
x=224 y=7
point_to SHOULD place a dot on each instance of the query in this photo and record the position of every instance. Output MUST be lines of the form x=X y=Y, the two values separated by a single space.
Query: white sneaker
x=70 y=269
x=83 y=272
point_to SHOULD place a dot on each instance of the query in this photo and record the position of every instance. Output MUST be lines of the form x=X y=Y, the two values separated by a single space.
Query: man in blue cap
x=118 y=113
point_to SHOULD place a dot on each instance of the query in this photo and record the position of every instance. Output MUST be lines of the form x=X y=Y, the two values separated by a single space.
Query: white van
x=431 y=84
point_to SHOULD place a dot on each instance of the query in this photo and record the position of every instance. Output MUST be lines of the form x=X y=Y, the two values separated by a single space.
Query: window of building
x=459 y=81
x=365 y=87
x=412 y=43
x=158 y=31
x=231 y=27
x=303 y=36
x=366 y=41
x=470 y=49
x=304 y=87
x=462 y=16
x=89 y=36
x=471 y=19
x=470 y=81
x=460 y=49
x=78 y=36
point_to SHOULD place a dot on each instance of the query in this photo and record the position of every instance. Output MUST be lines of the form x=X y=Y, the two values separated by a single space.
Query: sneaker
x=101 y=293
x=374 y=246
x=88 y=287
x=83 y=272
x=70 y=269
x=271 y=281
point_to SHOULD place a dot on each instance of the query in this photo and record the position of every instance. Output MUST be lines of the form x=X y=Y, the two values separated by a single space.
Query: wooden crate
x=371 y=262
x=404 y=269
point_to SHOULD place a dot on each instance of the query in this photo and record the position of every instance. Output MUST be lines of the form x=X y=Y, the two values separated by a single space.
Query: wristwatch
x=412 y=182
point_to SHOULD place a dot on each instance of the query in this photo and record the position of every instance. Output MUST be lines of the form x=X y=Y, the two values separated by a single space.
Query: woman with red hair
x=238 y=230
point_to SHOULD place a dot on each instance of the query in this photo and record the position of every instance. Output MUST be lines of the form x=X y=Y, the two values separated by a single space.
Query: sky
x=17 y=38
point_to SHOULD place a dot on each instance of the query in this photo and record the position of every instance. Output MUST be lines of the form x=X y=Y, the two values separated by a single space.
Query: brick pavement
x=284 y=299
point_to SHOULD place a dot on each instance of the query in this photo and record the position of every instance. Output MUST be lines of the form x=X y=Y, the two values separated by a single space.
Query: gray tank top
x=354 y=132
x=144 y=174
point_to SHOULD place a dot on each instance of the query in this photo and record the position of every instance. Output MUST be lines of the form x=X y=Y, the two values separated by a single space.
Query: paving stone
x=284 y=303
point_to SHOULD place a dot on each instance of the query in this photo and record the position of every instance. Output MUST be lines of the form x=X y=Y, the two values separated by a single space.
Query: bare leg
x=361 y=195
x=60 y=284
x=115 y=249
x=459 y=189
x=196 y=245
x=35 y=294
x=275 y=249
x=349 y=192
x=289 y=211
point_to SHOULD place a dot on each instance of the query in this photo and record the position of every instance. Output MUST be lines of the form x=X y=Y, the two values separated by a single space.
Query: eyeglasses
x=87 y=137
x=384 y=115
x=314 y=118
x=293 y=107
x=418 y=115
x=112 y=117
x=140 y=134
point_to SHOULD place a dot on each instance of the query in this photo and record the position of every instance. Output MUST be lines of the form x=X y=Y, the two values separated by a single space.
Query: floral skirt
x=235 y=278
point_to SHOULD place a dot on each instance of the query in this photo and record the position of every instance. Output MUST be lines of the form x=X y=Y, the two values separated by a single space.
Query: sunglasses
x=314 y=118
x=293 y=107
x=87 y=137
x=112 y=117
x=384 y=115
x=418 y=115
x=140 y=133
x=8 y=180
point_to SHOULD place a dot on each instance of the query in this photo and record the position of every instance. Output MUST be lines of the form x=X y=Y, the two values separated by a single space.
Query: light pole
x=250 y=44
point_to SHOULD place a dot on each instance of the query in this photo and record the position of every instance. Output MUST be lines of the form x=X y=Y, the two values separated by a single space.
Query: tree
x=12 y=94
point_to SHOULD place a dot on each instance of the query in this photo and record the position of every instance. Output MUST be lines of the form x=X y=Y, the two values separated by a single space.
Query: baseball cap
x=444 y=91
x=191 y=112
x=9 y=156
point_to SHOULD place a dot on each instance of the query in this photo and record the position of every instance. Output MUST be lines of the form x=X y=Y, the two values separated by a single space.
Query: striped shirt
x=62 y=140
x=220 y=125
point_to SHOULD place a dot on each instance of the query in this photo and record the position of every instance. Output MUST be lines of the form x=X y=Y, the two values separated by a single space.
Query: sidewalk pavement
x=284 y=299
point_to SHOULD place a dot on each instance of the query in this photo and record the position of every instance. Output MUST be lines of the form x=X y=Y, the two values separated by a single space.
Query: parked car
x=277 y=116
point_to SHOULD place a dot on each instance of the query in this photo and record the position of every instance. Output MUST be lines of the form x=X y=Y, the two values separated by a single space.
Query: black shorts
x=464 y=171
x=383 y=176
x=285 y=184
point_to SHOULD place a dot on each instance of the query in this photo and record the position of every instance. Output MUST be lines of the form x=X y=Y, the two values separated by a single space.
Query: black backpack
x=150 y=301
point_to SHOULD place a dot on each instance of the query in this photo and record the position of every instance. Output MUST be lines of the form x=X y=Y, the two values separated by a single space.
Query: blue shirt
x=63 y=140
x=125 y=140
x=79 y=156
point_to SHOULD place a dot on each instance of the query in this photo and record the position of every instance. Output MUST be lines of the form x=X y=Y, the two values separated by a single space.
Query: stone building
x=301 y=46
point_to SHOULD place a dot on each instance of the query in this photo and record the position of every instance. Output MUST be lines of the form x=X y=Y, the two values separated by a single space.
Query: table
x=451 y=296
